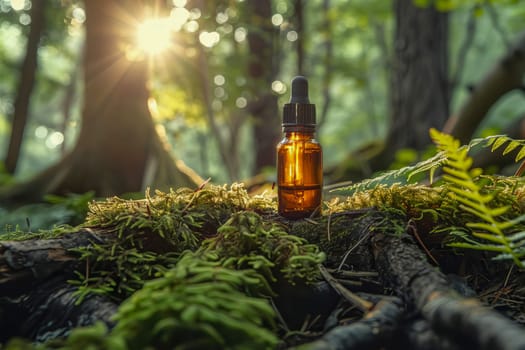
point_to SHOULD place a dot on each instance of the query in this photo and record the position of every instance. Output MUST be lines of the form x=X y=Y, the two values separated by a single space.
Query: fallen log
x=431 y=315
x=51 y=311
x=25 y=264
x=39 y=303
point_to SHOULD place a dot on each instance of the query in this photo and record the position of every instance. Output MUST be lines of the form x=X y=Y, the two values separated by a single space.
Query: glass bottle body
x=299 y=173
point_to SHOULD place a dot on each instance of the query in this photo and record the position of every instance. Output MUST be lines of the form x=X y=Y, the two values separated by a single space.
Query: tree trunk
x=25 y=87
x=118 y=149
x=419 y=91
x=262 y=70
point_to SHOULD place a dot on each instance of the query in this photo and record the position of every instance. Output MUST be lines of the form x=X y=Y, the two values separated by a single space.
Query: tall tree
x=25 y=86
x=118 y=149
x=419 y=86
x=262 y=68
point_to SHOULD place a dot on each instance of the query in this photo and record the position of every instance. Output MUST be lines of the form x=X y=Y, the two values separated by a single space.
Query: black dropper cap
x=299 y=111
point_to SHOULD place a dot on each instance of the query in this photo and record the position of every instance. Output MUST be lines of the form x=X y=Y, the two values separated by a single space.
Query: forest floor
x=217 y=268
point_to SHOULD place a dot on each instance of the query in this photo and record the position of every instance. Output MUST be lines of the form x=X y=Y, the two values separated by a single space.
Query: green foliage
x=77 y=204
x=407 y=174
x=495 y=142
x=21 y=235
x=247 y=241
x=42 y=219
x=198 y=304
x=450 y=5
x=492 y=228
x=400 y=176
x=146 y=236
x=478 y=212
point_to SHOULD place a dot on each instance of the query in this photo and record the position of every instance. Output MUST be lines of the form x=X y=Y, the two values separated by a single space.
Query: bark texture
x=404 y=268
x=262 y=70
x=419 y=89
x=25 y=87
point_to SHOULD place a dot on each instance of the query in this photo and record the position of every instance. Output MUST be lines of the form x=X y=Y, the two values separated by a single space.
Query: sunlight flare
x=154 y=35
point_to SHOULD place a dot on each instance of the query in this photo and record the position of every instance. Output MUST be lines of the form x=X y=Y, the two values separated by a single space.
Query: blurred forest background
x=103 y=98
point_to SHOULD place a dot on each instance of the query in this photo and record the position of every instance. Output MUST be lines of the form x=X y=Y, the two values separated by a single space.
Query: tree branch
x=505 y=76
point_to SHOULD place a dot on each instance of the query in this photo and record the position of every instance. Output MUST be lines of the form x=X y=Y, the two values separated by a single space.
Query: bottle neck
x=299 y=129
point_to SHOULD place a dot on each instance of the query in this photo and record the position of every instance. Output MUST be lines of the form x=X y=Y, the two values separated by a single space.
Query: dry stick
x=365 y=236
x=371 y=332
x=403 y=267
x=354 y=299
x=195 y=193
x=414 y=232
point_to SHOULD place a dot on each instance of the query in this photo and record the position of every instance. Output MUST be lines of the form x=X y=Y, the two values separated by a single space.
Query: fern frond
x=455 y=161
x=496 y=141
x=396 y=177
x=465 y=190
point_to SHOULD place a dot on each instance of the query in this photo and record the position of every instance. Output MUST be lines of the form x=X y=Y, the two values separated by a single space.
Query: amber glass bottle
x=299 y=156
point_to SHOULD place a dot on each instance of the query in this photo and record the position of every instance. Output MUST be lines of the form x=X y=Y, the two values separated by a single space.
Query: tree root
x=403 y=268
x=372 y=332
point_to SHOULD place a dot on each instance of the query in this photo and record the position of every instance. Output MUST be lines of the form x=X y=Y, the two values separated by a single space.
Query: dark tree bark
x=25 y=87
x=118 y=149
x=374 y=331
x=261 y=72
x=419 y=87
x=465 y=321
x=34 y=291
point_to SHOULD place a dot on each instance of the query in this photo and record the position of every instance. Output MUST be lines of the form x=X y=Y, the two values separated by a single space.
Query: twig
x=508 y=275
x=353 y=298
x=197 y=190
x=345 y=273
x=365 y=236
x=279 y=316
x=413 y=230
x=329 y=221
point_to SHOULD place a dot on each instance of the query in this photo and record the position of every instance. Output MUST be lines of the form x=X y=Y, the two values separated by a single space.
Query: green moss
x=248 y=241
x=20 y=235
x=145 y=237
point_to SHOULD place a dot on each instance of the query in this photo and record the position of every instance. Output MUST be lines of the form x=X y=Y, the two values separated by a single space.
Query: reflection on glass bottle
x=299 y=156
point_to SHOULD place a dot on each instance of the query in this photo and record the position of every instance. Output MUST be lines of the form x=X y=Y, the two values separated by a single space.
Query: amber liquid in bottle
x=299 y=173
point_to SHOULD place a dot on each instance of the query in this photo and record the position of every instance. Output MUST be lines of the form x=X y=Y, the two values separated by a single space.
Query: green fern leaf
x=483 y=226
x=489 y=237
x=498 y=143
x=466 y=191
x=520 y=155
x=511 y=147
x=484 y=247
x=499 y=211
x=517 y=237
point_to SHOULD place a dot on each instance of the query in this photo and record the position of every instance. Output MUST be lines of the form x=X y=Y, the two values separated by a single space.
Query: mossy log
x=195 y=241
